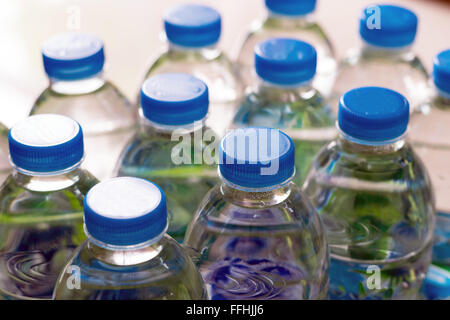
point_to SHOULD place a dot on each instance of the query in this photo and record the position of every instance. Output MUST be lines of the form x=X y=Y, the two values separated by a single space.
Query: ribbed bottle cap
x=441 y=71
x=291 y=7
x=285 y=61
x=373 y=114
x=388 y=26
x=46 y=143
x=125 y=211
x=174 y=99
x=257 y=158
x=192 y=25
x=73 y=56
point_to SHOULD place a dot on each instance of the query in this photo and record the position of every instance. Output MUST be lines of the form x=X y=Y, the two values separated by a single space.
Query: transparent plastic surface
x=300 y=112
x=150 y=155
x=429 y=133
x=260 y=245
x=377 y=206
x=105 y=115
x=303 y=28
x=397 y=69
x=41 y=223
x=161 y=271
x=215 y=69
x=5 y=166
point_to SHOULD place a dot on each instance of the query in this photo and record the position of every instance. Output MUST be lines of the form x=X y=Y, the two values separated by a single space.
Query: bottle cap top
x=257 y=158
x=46 y=143
x=373 y=114
x=192 y=25
x=125 y=211
x=285 y=61
x=388 y=26
x=291 y=7
x=73 y=56
x=174 y=99
x=441 y=71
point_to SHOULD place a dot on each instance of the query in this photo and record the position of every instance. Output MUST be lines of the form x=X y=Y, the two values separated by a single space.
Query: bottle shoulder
x=248 y=209
x=285 y=108
x=22 y=195
x=168 y=274
x=364 y=163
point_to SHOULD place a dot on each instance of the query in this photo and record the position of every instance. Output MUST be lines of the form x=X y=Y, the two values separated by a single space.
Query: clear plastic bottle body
x=41 y=223
x=5 y=166
x=215 y=69
x=260 y=245
x=105 y=115
x=303 y=28
x=377 y=206
x=428 y=133
x=150 y=155
x=397 y=69
x=301 y=112
x=160 y=271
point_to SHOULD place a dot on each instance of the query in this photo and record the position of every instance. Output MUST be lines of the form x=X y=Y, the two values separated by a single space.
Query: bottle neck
x=209 y=52
x=149 y=127
x=369 y=50
x=290 y=21
x=254 y=198
x=79 y=86
x=125 y=255
x=47 y=182
x=264 y=85
x=357 y=147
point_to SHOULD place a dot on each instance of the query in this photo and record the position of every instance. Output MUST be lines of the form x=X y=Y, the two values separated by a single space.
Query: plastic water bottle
x=375 y=199
x=429 y=132
x=77 y=89
x=41 y=205
x=283 y=98
x=169 y=146
x=385 y=58
x=127 y=255
x=291 y=19
x=256 y=234
x=5 y=167
x=193 y=32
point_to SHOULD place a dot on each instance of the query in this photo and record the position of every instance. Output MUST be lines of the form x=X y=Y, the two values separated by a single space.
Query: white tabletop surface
x=131 y=31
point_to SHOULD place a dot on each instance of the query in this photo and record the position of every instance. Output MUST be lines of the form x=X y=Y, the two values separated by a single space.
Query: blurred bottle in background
x=5 y=166
x=127 y=255
x=282 y=97
x=429 y=132
x=375 y=199
x=169 y=146
x=77 y=89
x=256 y=234
x=41 y=205
x=193 y=32
x=385 y=58
x=291 y=19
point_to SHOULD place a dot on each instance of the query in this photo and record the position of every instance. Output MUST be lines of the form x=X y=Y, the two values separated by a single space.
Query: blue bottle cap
x=388 y=26
x=291 y=7
x=125 y=211
x=73 y=56
x=46 y=143
x=441 y=71
x=174 y=99
x=285 y=61
x=437 y=283
x=256 y=158
x=192 y=25
x=373 y=114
